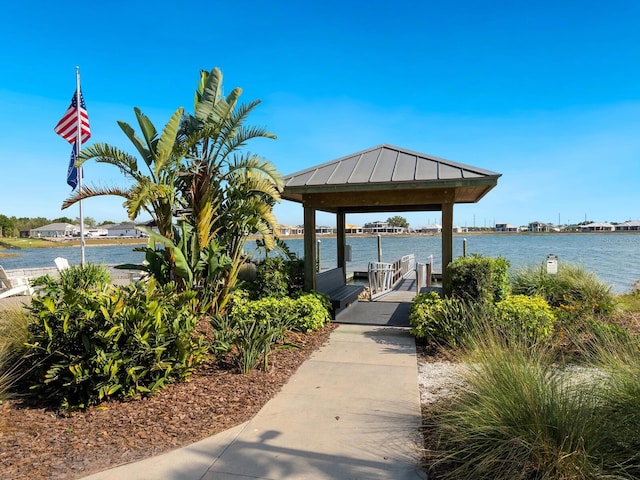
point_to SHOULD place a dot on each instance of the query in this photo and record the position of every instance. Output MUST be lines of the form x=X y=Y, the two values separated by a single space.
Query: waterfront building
x=506 y=227
x=631 y=225
x=127 y=229
x=382 y=227
x=286 y=230
x=540 y=227
x=597 y=227
x=55 y=230
x=432 y=228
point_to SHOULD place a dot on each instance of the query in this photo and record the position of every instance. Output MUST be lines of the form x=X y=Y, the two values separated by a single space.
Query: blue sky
x=546 y=93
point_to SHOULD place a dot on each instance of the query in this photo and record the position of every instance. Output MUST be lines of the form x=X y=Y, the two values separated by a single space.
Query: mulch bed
x=37 y=443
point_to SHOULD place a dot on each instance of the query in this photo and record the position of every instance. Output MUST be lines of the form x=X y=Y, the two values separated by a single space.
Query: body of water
x=614 y=258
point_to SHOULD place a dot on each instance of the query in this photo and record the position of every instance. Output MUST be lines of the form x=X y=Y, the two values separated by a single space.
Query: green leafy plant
x=82 y=277
x=86 y=345
x=480 y=279
x=252 y=329
x=437 y=320
x=272 y=278
x=311 y=311
x=531 y=317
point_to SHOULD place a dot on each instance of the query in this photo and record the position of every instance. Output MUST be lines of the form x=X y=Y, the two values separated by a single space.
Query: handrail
x=384 y=276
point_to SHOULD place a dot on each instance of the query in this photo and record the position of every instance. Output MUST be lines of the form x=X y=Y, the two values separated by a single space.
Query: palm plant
x=228 y=195
x=154 y=191
x=197 y=174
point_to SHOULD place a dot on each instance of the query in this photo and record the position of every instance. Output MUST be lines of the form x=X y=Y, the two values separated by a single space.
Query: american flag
x=67 y=127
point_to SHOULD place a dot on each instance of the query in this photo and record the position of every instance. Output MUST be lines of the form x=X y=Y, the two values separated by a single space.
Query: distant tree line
x=12 y=226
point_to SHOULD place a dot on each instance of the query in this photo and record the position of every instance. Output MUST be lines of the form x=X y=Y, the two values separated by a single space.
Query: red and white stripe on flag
x=67 y=127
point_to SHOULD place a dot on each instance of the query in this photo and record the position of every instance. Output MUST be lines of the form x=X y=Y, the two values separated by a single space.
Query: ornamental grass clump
x=619 y=358
x=520 y=417
x=573 y=291
x=14 y=331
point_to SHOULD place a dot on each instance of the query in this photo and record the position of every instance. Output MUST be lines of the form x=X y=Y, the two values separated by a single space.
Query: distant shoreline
x=9 y=244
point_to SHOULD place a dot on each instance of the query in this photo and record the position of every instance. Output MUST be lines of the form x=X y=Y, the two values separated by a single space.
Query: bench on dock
x=341 y=295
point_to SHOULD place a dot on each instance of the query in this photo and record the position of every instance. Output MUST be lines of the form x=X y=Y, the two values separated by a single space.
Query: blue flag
x=72 y=171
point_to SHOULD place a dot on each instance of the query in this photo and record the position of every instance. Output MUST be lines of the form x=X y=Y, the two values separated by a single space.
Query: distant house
x=353 y=229
x=54 y=230
x=506 y=227
x=286 y=230
x=460 y=229
x=432 y=228
x=597 y=227
x=321 y=230
x=631 y=225
x=382 y=227
x=539 y=227
x=123 y=230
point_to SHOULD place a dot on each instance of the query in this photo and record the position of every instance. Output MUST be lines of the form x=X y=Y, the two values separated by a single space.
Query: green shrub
x=272 y=278
x=312 y=311
x=531 y=316
x=89 y=344
x=437 y=320
x=276 y=277
x=573 y=292
x=480 y=279
x=87 y=276
x=252 y=329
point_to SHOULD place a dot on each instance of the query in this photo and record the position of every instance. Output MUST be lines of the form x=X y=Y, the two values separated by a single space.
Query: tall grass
x=14 y=330
x=520 y=416
x=620 y=360
x=572 y=288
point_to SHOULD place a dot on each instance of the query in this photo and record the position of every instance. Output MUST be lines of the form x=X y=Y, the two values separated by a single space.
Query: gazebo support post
x=309 y=248
x=341 y=239
x=447 y=246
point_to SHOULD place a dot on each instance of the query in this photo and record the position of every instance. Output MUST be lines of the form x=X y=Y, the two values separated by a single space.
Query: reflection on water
x=615 y=258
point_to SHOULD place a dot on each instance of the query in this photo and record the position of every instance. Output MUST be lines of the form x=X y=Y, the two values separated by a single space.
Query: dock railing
x=384 y=276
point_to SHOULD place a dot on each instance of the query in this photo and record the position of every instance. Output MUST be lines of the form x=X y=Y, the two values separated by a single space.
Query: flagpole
x=78 y=146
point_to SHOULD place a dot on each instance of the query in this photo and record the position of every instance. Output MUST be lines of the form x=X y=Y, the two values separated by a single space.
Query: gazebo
x=383 y=179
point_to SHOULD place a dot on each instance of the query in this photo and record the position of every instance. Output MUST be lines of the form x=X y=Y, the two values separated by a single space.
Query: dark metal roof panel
x=363 y=169
x=323 y=175
x=449 y=172
x=405 y=170
x=383 y=170
x=300 y=179
x=343 y=170
x=426 y=169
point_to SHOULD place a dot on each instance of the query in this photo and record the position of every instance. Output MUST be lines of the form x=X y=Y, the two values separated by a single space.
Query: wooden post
x=341 y=239
x=447 y=246
x=309 y=248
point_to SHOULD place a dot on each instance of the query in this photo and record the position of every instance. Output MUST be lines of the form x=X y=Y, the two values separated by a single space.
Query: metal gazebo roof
x=386 y=177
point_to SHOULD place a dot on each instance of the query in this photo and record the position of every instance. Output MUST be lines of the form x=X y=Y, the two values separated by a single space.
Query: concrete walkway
x=351 y=411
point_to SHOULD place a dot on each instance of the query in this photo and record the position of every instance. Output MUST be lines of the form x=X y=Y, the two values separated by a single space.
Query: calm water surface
x=615 y=258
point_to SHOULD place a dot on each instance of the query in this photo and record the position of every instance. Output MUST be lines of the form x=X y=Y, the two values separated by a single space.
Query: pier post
x=447 y=246
x=309 y=248
x=341 y=239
